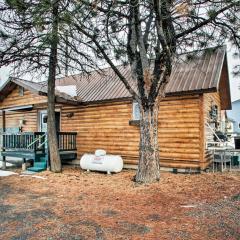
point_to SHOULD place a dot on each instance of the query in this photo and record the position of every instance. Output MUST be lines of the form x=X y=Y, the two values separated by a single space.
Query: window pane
x=136 y=111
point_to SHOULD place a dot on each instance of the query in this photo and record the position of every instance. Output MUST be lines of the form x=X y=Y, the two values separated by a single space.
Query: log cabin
x=102 y=113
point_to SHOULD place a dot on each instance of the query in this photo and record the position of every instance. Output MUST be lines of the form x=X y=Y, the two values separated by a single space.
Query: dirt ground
x=80 y=205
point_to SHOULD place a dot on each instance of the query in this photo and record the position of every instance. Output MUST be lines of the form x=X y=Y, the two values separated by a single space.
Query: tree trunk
x=149 y=164
x=55 y=160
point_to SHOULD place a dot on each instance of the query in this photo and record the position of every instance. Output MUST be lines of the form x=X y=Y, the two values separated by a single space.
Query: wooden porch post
x=24 y=167
x=4 y=130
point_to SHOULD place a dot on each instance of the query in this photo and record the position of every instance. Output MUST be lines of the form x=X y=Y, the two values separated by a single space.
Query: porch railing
x=67 y=141
x=26 y=141
x=34 y=141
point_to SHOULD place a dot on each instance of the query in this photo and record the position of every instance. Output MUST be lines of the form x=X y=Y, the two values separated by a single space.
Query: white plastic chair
x=228 y=158
x=222 y=158
x=218 y=158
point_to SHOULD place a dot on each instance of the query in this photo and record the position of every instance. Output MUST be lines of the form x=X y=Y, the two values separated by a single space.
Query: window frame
x=134 y=114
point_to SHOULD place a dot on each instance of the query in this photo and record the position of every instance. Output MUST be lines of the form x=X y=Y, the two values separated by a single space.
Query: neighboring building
x=105 y=117
x=234 y=115
x=229 y=129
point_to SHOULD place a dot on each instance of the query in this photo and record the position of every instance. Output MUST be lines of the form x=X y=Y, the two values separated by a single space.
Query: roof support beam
x=3 y=121
x=4 y=130
x=19 y=108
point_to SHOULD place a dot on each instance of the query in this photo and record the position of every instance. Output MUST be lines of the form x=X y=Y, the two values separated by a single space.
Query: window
x=135 y=111
x=21 y=91
x=45 y=117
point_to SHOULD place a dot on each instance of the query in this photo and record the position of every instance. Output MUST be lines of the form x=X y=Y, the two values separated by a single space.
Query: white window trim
x=135 y=117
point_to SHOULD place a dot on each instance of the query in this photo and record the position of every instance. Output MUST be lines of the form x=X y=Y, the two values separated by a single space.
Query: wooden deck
x=64 y=155
x=34 y=145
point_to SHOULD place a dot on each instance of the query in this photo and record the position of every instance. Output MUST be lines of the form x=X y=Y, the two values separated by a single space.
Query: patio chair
x=218 y=159
x=228 y=158
x=222 y=158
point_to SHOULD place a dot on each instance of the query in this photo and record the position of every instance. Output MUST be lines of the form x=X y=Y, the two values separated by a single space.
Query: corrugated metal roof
x=201 y=73
x=41 y=87
x=98 y=86
x=104 y=86
x=38 y=88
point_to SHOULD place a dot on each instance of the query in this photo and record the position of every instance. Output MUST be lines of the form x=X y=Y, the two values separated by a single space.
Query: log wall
x=107 y=126
x=30 y=118
x=209 y=100
x=15 y=100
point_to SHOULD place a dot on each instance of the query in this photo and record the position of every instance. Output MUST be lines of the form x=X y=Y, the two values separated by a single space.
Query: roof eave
x=66 y=101
x=123 y=99
x=228 y=105
x=6 y=87
x=192 y=92
x=58 y=99
x=61 y=99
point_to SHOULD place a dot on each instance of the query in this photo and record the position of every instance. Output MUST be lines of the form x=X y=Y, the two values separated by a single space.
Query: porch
x=34 y=146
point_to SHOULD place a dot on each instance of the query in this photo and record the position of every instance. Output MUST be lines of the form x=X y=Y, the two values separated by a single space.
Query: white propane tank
x=105 y=163
x=100 y=152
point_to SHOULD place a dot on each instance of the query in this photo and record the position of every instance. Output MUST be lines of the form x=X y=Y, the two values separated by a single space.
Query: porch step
x=36 y=169
x=42 y=159
x=40 y=164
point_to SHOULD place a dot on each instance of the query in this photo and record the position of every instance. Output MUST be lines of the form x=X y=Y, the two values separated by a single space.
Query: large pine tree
x=149 y=35
x=35 y=39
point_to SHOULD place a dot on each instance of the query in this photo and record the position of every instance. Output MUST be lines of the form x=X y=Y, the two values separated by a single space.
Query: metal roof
x=99 y=86
x=38 y=88
x=41 y=88
x=200 y=73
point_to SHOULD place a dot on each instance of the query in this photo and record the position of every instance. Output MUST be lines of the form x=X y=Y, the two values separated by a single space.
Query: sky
x=234 y=81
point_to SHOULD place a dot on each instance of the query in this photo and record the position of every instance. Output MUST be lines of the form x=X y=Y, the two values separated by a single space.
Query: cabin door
x=43 y=121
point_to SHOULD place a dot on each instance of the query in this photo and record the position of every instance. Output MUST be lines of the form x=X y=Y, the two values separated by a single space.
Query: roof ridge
x=125 y=66
x=186 y=78
x=224 y=47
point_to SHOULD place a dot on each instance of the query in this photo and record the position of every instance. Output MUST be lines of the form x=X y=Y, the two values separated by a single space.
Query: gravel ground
x=79 y=205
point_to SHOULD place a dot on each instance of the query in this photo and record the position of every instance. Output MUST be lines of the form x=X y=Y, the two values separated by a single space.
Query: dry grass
x=80 y=205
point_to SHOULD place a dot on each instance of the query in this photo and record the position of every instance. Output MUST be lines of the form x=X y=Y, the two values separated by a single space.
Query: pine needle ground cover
x=80 y=205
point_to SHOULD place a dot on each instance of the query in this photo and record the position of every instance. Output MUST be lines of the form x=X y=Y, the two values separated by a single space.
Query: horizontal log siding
x=30 y=117
x=15 y=100
x=179 y=132
x=209 y=100
x=107 y=126
x=13 y=118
